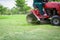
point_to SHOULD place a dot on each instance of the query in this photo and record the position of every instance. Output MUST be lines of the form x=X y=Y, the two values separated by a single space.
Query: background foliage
x=21 y=8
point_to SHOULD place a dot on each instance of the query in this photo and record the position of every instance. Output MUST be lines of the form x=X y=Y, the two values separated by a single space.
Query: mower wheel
x=55 y=20
x=32 y=19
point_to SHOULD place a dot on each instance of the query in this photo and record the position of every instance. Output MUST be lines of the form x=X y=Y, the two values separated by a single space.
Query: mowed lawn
x=16 y=28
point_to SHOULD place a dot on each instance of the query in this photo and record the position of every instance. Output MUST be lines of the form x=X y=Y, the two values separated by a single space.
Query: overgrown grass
x=16 y=28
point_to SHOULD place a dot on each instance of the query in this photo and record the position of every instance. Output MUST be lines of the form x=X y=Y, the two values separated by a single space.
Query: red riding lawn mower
x=52 y=14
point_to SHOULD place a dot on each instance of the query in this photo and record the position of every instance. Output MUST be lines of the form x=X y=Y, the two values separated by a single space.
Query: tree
x=22 y=6
x=14 y=10
x=26 y=8
x=1 y=9
x=7 y=12
x=4 y=10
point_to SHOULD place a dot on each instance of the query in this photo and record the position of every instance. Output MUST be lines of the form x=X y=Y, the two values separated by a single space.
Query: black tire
x=32 y=19
x=55 y=20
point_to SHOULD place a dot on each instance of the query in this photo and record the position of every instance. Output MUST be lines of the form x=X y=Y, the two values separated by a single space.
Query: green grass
x=16 y=28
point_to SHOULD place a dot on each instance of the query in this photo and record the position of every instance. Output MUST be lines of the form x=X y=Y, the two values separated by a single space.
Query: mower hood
x=52 y=5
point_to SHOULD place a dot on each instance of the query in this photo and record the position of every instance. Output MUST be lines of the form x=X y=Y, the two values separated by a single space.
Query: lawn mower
x=51 y=14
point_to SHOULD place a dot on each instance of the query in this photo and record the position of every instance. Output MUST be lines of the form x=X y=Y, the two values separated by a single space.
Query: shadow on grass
x=42 y=24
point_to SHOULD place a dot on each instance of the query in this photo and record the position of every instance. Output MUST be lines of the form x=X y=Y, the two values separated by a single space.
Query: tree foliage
x=4 y=10
x=14 y=10
x=22 y=6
